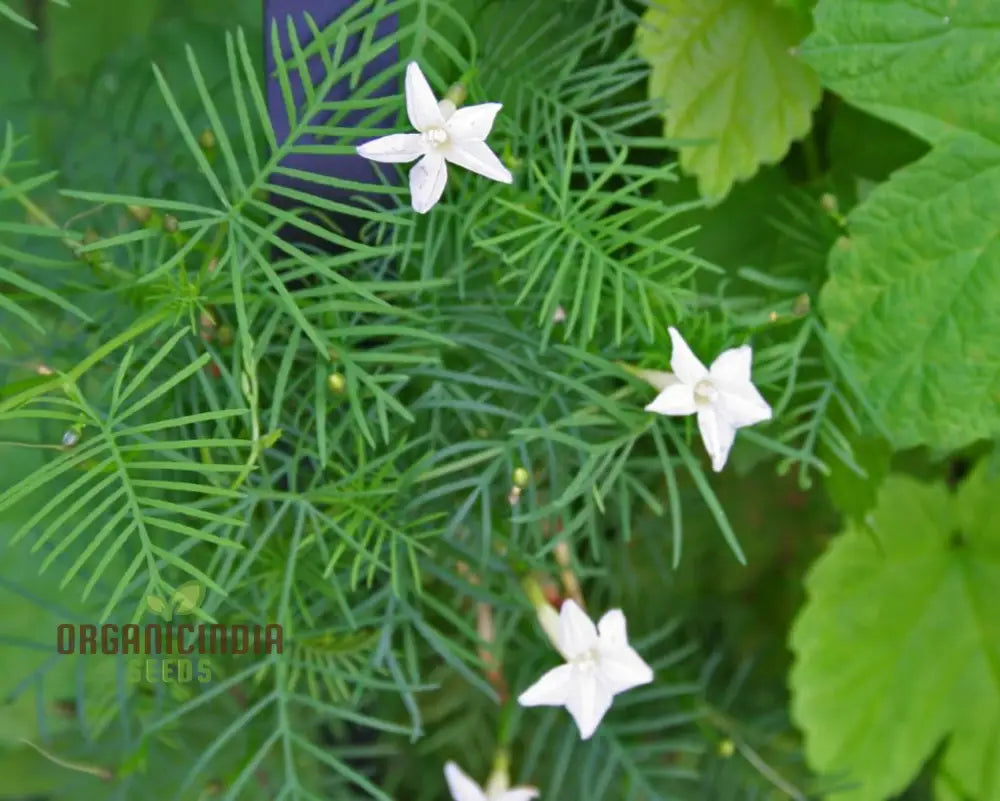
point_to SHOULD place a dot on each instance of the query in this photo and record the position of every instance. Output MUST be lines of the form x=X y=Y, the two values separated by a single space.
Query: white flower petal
x=518 y=794
x=552 y=689
x=478 y=157
x=676 y=399
x=612 y=629
x=732 y=367
x=393 y=148
x=461 y=786
x=577 y=632
x=427 y=180
x=684 y=363
x=588 y=701
x=743 y=406
x=473 y=122
x=421 y=105
x=623 y=668
x=718 y=436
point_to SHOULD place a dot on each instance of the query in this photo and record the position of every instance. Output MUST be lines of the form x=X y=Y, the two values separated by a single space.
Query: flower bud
x=337 y=383
x=548 y=619
x=499 y=780
x=521 y=477
x=207 y=139
x=456 y=95
x=170 y=223
x=657 y=379
x=141 y=214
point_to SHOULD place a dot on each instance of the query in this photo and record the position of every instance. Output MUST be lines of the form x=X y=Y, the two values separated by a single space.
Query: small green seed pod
x=521 y=477
x=337 y=383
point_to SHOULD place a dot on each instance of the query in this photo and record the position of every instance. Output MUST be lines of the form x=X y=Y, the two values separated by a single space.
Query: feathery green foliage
x=374 y=439
x=6 y=10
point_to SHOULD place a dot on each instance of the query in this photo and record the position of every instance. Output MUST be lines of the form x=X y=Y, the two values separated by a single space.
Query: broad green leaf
x=932 y=66
x=898 y=646
x=724 y=70
x=802 y=6
x=914 y=296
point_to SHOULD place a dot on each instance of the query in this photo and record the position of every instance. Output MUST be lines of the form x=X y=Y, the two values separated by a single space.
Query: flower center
x=704 y=392
x=587 y=661
x=435 y=137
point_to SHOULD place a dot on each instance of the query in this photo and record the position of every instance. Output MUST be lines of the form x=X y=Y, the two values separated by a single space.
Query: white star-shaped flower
x=465 y=789
x=599 y=665
x=721 y=395
x=445 y=133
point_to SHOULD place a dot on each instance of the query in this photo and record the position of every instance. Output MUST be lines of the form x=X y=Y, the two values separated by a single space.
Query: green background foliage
x=324 y=434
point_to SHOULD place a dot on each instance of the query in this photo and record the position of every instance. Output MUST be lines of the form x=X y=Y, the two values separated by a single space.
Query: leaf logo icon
x=158 y=606
x=187 y=597
x=184 y=601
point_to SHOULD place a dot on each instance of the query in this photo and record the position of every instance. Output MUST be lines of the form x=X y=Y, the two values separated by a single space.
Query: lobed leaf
x=914 y=296
x=903 y=607
x=732 y=92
